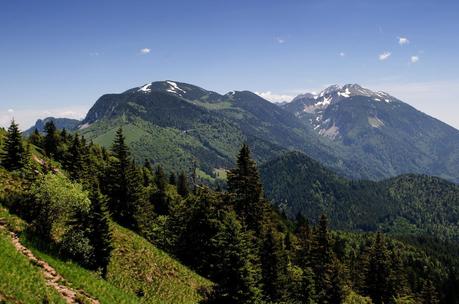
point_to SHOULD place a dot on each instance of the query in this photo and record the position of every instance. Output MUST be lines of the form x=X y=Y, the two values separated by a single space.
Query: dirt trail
x=52 y=278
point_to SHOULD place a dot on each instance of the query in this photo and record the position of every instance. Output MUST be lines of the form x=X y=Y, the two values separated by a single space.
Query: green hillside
x=414 y=204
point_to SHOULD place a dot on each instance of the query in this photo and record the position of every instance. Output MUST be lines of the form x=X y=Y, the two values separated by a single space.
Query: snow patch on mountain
x=146 y=88
x=174 y=88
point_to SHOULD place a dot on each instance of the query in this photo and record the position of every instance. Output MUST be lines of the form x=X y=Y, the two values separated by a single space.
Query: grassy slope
x=137 y=267
x=21 y=281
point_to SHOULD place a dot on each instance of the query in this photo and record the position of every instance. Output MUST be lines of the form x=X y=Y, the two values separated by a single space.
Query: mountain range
x=354 y=131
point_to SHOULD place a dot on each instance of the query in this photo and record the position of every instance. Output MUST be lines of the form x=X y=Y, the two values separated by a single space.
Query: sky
x=58 y=57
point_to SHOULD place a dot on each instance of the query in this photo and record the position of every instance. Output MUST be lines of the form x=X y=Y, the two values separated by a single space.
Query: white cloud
x=145 y=51
x=403 y=40
x=273 y=97
x=94 y=54
x=27 y=117
x=414 y=59
x=342 y=54
x=384 y=56
x=280 y=40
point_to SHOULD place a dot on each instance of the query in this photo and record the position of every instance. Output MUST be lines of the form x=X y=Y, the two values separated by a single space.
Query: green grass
x=139 y=267
x=20 y=280
x=136 y=268
x=80 y=278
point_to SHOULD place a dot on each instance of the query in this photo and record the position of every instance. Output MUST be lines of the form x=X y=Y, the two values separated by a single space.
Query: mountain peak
x=336 y=93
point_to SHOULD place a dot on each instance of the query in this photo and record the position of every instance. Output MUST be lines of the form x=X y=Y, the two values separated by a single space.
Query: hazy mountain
x=61 y=123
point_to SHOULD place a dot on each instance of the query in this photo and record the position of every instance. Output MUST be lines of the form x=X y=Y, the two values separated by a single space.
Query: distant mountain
x=393 y=136
x=417 y=204
x=354 y=131
x=61 y=123
x=200 y=127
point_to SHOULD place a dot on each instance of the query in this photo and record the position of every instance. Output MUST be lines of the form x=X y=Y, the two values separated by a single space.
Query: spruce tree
x=14 y=154
x=36 y=138
x=160 y=198
x=378 y=274
x=429 y=294
x=274 y=265
x=74 y=159
x=124 y=187
x=234 y=272
x=100 y=235
x=329 y=287
x=52 y=140
x=172 y=179
x=182 y=185
x=244 y=182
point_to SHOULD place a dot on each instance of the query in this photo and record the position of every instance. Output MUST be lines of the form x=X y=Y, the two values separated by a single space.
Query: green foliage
x=14 y=156
x=244 y=182
x=56 y=200
x=406 y=204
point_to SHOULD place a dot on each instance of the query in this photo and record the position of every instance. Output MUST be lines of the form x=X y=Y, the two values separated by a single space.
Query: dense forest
x=70 y=190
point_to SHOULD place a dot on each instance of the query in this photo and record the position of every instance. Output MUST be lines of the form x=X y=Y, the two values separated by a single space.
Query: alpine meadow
x=196 y=152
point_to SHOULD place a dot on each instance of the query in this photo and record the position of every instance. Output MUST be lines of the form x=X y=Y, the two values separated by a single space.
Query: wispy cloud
x=145 y=51
x=384 y=56
x=342 y=54
x=280 y=40
x=414 y=59
x=94 y=54
x=273 y=97
x=403 y=40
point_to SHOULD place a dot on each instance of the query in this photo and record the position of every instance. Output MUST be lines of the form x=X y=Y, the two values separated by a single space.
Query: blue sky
x=58 y=57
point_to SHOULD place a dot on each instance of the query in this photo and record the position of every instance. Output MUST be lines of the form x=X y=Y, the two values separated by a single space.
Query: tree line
x=252 y=252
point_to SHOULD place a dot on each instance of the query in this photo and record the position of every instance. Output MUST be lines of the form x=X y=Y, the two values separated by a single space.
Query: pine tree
x=160 y=198
x=234 y=272
x=14 y=155
x=147 y=173
x=274 y=265
x=52 y=140
x=329 y=285
x=100 y=235
x=172 y=179
x=244 y=182
x=428 y=293
x=36 y=139
x=378 y=273
x=73 y=161
x=124 y=187
x=182 y=185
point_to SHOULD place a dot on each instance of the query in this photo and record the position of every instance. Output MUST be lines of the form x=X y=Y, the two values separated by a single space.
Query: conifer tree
x=124 y=187
x=235 y=274
x=74 y=162
x=326 y=267
x=182 y=185
x=378 y=273
x=428 y=293
x=14 y=155
x=160 y=199
x=51 y=141
x=274 y=265
x=36 y=138
x=172 y=179
x=100 y=235
x=147 y=173
x=244 y=182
